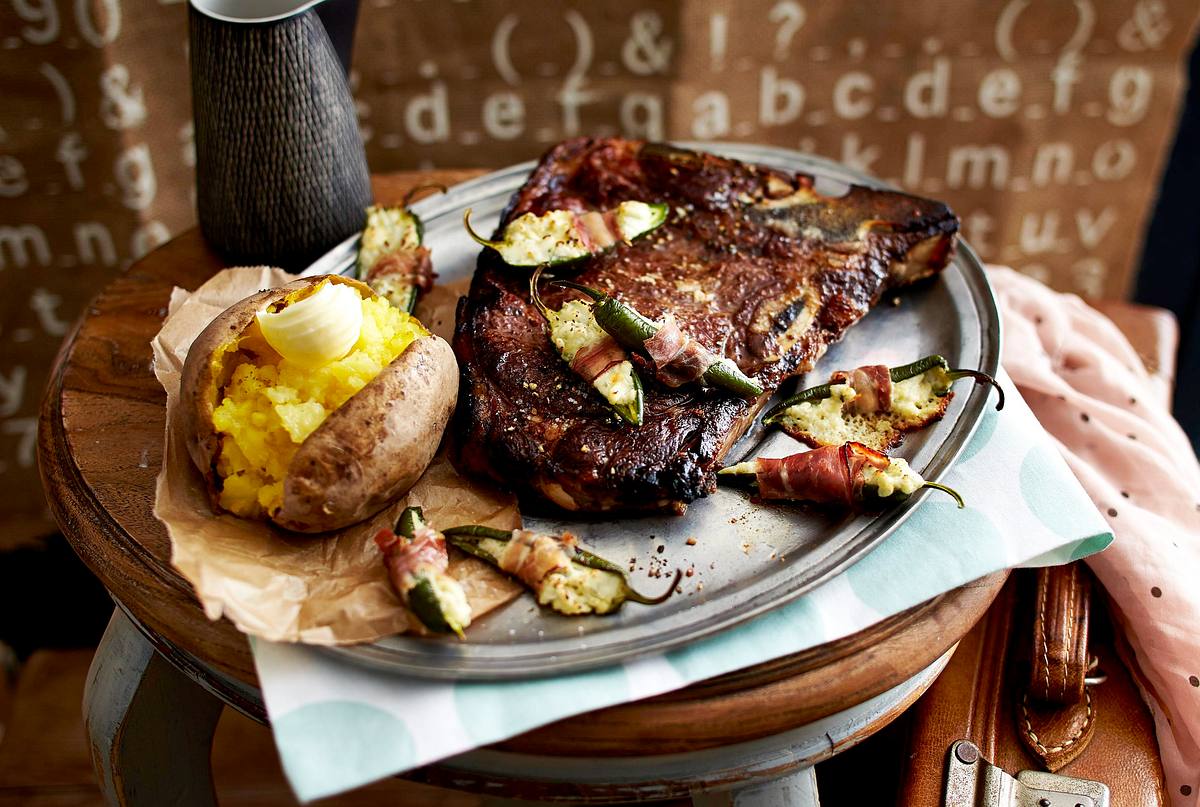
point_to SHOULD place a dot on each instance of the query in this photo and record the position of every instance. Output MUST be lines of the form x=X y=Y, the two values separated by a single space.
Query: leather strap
x=1055 y=715
x=1060 y=635
x=980 y=697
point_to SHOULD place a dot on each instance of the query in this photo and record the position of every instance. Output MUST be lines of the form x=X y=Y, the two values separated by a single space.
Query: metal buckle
x=972 y=781
x=1095 y=675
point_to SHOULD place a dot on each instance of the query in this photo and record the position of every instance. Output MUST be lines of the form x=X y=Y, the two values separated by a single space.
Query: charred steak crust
x=751 y=262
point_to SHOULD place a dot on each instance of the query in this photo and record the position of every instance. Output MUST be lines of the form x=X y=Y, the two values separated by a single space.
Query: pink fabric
x=1112 y=423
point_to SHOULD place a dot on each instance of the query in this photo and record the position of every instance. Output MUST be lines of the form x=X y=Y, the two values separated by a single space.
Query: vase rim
x=252 y=11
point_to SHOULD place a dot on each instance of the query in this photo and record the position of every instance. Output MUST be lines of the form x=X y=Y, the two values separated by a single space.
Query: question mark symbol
x=790 y=16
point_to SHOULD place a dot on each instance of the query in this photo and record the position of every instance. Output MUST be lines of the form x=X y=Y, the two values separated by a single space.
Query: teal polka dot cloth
x=339 y=726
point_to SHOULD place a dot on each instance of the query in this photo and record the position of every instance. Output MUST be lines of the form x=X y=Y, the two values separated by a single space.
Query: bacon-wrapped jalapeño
x=563 y=236
x=678 y=359
x=391 y=258
x=592 y=353
x=561 y=575
x=851 y=476
x=416 y=560
x=874 y=405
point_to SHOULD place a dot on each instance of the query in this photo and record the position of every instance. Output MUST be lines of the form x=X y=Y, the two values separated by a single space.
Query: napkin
x=338 y=726
x=1112 y=423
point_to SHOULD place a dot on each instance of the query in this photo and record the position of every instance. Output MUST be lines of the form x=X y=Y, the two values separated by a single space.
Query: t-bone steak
x=752 y=262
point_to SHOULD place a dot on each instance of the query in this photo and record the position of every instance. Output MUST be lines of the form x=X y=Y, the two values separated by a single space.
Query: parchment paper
x=328 y=589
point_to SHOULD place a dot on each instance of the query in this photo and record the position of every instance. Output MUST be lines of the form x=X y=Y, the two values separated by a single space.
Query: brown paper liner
x=283 y=586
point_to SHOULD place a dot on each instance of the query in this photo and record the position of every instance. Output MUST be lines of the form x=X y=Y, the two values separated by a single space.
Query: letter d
x=427 y=116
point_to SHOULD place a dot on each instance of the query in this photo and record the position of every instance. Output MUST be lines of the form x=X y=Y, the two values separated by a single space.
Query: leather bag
x=1038 y=685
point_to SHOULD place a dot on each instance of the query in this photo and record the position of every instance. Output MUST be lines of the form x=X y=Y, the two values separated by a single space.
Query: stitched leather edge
x=1087 y=692
x=1044 y=585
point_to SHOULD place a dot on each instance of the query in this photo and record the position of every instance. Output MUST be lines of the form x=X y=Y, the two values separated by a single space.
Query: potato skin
x=376 y=445
x=364 y=455
x=199 y=387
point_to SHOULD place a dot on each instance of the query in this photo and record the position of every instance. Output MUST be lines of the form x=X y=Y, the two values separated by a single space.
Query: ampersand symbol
x=1146 y=29
x=122 y=106
x=643 y=52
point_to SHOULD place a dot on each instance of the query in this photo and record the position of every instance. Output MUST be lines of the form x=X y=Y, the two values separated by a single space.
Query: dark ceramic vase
x=281 y=175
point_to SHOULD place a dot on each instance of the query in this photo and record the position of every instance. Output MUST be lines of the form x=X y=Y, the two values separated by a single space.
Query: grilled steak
x=752 y=262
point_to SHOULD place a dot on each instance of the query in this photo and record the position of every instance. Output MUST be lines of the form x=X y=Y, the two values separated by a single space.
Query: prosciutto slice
x=678 y=359
x=530 y=556
x=827 y=475
x=872 y=385
x=599 y=230
x=405 y=266
x=403 y=556
x=594 y=360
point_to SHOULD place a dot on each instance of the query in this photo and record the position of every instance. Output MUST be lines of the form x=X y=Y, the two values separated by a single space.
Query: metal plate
x=746 y=558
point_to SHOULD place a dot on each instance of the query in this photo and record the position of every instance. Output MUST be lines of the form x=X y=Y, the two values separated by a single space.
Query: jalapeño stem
x=983 y=378
x=427 y=186
x=534 y=278
x=631 y=330
x=476 y=237
x=947 y=489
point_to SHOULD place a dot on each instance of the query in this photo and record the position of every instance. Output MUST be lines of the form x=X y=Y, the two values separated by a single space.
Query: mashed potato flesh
x=269 y=409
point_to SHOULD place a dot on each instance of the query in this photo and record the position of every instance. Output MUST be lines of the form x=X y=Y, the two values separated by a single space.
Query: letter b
x=780 y=99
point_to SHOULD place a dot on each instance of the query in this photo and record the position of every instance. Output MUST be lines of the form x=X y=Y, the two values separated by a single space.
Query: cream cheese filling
x=898 y=476
x=531 y=240
x=915 y=401
x=573 y=589
x=452 y=598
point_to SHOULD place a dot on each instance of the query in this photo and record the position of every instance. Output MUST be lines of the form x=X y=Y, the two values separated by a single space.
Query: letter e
x=999 y=92
x=504 y=115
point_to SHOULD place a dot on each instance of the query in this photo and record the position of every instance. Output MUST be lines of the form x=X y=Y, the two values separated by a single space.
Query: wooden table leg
x=150 y=727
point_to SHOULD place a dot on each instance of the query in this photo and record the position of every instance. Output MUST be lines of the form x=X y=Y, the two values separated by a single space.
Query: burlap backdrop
x=1043 y=123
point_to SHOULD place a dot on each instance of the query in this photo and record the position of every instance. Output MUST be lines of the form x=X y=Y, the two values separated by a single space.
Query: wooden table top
x=100 y=447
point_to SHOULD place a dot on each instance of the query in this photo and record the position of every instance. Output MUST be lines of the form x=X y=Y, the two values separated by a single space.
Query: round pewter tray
x=746 y=558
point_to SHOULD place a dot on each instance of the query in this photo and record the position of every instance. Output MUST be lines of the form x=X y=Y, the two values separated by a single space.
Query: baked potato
x=315 y=404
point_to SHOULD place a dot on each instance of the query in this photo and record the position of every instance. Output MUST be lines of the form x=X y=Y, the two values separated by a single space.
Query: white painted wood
x=720 y=774
x=150 y=727
x=798 y=789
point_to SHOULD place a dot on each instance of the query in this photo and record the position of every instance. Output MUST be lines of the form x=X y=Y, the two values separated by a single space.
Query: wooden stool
x=163 y=671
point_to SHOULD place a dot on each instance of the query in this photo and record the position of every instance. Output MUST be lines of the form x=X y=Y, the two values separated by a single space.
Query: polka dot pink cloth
x=1112 y=423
